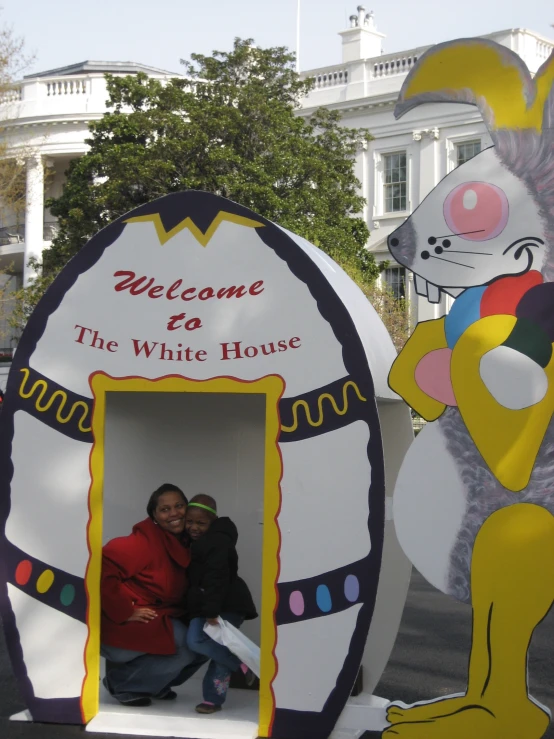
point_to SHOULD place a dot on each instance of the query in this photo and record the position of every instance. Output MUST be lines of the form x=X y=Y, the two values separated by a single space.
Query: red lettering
x=255 y=288
x=156 y=289
x=165 y=351
x=94 y=340
x=229 y=292
x=171 y=325
x=294 y=339
x=138 y=285
x=251 y=351
x=129 y=283
x=201 y=355
x=272 y=349
x=282 y=346
x=192 y=324
x=176 y=285
x=135 y=286
x=145 y=348
x=79 y=340
x=97 y=342
x=124 y=284
x=226 y=351
x=206 y=293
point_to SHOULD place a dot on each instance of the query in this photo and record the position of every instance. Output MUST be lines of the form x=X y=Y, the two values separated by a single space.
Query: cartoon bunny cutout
x=474 y=500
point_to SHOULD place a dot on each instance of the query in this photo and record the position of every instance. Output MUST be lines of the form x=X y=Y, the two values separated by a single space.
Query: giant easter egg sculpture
x=193 y=295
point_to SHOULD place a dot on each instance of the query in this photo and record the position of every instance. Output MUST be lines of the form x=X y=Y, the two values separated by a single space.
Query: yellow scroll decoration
x=320 y=400
x=42 y=408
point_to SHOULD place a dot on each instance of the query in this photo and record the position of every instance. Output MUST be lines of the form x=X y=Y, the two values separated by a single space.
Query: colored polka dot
x=44 y=583
x=23 y=572
x=296 y=603
x=323 y=598
x=67 y=596
x=351 y=588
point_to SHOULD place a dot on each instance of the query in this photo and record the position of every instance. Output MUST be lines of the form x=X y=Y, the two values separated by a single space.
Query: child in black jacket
x=215 y=589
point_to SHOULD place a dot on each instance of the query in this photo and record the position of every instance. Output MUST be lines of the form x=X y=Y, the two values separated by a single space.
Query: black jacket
x=214 y=584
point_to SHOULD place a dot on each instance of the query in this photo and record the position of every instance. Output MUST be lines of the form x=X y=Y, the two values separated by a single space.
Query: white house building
x=45 y=123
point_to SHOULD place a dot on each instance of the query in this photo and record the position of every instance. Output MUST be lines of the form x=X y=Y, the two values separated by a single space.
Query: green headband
x=206 y=507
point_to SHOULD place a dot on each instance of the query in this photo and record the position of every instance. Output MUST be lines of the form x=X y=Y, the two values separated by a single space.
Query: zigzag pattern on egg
x=70 y=413
x=317 y=418
x=54 y=405
x=203 y=237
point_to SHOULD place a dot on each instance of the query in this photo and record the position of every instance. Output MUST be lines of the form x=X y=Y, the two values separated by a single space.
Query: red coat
x=147 y=568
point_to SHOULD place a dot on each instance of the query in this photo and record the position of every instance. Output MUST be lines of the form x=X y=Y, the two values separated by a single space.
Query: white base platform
x=363 y=713
x=21 y=716
x=237 y=720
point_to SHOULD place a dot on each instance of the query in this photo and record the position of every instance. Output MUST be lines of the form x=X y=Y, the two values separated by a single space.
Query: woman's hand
x=143 y=615
x=213 y=621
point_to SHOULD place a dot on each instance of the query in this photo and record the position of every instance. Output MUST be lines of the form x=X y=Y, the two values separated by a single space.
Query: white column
x=360 y=171
x=428 y=163
x=34 y=213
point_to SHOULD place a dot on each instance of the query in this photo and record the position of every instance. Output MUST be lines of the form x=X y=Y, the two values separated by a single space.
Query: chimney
x=361 y=40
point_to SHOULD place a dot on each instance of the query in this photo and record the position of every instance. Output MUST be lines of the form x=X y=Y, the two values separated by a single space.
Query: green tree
x=13 y=61
x=230 y=127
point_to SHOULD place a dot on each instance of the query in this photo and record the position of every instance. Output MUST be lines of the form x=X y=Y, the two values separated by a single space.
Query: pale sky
x=160 y=32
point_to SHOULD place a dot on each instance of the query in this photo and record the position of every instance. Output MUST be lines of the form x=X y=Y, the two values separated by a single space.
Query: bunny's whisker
x=463 y=233
x=478 y=253
x=451 y=261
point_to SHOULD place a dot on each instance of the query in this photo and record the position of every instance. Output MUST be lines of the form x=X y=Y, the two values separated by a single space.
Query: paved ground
x=430 y=659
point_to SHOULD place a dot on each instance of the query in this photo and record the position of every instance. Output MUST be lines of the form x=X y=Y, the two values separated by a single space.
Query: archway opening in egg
x=195 y=343
x=217 y=435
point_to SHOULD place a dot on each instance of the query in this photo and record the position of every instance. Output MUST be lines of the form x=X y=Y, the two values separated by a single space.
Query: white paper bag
x=235 y=641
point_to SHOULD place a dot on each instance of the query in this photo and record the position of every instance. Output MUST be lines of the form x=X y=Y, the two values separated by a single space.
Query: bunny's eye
x=476 y=211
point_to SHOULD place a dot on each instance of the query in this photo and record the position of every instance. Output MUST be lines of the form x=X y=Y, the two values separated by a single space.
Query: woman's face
x=170 y=512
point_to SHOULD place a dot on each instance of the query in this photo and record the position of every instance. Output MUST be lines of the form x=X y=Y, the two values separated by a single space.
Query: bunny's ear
x=481 y=73
x=544 y=82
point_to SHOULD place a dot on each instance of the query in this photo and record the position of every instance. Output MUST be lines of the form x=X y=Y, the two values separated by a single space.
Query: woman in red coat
x=143 y=589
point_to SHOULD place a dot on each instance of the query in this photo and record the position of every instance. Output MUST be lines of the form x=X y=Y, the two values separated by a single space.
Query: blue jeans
x=223 y=662
x=131 y=674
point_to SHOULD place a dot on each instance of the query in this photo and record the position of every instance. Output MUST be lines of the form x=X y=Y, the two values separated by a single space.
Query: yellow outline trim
x=202 y=238
x=272 y=386
x=48 y=405
x=320 y=400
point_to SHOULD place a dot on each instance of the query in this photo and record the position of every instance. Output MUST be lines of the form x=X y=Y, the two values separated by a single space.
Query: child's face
x=197 y=522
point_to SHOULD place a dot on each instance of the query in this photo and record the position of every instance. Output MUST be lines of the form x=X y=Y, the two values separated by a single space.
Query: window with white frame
x=395 y=279
x=466 y=150
x=395 y=182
